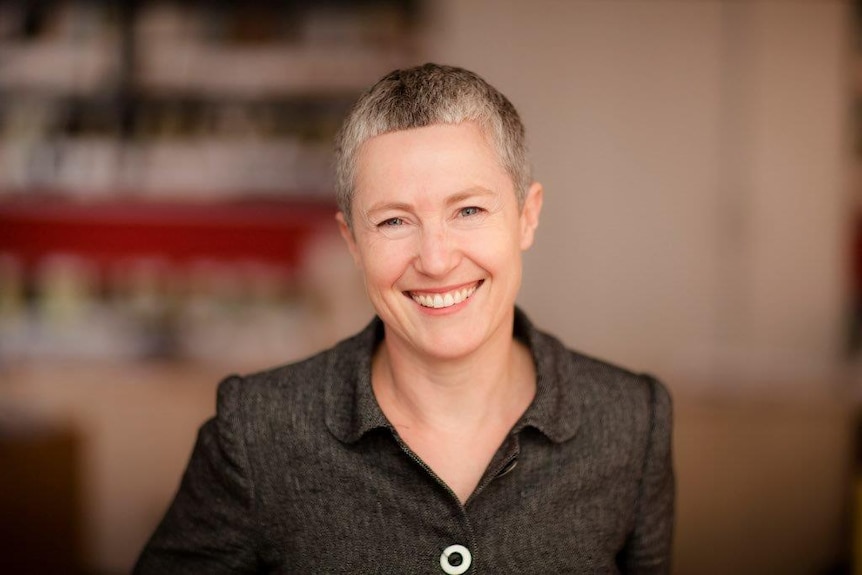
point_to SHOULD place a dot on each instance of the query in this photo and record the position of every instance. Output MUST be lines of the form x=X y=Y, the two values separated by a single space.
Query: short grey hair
x=424 y=96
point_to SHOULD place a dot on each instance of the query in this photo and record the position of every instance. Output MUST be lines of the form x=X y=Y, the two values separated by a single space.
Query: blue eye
x=391 y=222
x=469 y=211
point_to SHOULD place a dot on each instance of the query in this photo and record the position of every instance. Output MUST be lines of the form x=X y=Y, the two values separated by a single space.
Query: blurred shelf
x=165 y=173
x=195 y=69
x=190 y=68
x=185 y=99
x=120 y=230
x=60 y=67
x=200 y=167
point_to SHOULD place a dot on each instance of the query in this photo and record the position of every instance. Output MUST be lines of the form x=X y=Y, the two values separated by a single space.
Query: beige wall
x=693 y=156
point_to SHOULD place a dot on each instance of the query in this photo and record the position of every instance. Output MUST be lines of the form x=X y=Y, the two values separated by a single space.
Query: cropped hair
x=424 y=96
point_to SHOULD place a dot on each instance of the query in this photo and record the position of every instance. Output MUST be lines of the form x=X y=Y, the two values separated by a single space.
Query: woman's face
x=438 y=235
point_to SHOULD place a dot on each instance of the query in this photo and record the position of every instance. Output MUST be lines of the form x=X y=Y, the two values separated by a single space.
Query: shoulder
x=603 y=382
x=636 y=407
x=605 y=385
x=297 y=389
x=623 y=416
x=593 y=376
x=296 y=379
x=595 y=392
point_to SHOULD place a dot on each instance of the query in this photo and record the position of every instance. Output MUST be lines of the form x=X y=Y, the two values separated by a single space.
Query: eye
x=469 y=211
x=391 y=223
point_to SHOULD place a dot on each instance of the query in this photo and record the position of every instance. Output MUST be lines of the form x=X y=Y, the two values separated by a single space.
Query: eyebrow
x=455 y=198
x=458 y=197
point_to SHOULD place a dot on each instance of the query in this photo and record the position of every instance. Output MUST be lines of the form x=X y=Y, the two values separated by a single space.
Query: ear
x=529 y=219
x=347 y=234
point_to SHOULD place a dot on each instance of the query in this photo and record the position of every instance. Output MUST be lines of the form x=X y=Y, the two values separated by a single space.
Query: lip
x=446 y=289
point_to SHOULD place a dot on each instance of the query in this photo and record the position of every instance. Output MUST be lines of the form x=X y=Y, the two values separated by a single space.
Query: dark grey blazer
x=300 y=472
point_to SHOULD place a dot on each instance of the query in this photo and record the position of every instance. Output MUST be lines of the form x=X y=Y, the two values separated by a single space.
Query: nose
x=437 y=255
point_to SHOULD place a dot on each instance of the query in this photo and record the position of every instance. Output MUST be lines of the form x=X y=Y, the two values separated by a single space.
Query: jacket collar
x=352 y=410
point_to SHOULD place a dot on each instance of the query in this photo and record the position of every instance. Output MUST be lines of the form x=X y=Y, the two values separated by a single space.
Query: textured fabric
x=300 y=472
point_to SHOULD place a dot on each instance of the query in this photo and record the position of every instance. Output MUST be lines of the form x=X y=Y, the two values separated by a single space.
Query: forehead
x=439 y=154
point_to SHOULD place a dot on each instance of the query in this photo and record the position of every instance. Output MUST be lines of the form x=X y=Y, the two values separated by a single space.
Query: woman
x=450 y=436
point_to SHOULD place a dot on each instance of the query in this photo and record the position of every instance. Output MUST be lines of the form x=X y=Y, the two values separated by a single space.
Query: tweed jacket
x=300 y=472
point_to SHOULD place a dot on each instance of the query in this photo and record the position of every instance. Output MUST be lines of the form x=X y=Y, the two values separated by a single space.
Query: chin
x=445 y=346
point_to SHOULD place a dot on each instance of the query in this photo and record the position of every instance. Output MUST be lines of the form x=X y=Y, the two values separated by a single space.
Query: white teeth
x=443 y=300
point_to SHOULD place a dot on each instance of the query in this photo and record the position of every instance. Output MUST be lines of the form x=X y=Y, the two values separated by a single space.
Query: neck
x=496 y=381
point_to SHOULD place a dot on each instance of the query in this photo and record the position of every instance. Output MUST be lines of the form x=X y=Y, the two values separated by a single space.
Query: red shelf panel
x=109 y=231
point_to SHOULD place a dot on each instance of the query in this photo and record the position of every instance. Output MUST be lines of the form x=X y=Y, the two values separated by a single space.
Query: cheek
x=383 y=263
x=493 y=248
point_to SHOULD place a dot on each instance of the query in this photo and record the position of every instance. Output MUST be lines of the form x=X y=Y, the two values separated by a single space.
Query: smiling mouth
x=445 y=299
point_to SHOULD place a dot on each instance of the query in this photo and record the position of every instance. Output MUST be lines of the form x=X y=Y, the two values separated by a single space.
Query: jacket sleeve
x=648 y=549
x=209 y=526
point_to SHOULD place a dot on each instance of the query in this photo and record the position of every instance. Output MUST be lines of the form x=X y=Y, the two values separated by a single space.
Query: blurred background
x=166 y=218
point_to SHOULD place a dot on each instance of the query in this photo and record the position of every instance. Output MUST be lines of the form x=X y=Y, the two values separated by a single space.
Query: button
x=455 y=560
x=509 y=467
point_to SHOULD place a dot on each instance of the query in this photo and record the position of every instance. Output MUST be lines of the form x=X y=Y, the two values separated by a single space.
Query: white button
x=455 y=560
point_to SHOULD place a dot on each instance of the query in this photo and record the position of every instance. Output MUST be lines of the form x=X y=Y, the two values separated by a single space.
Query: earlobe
x=347 y=235
x=530 y=214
